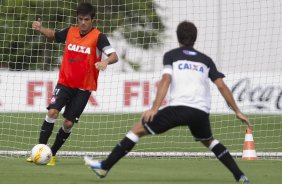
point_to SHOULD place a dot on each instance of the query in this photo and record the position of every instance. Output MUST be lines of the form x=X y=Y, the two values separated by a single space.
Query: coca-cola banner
x=135 y=92
x=254 y=92
x=260 y=97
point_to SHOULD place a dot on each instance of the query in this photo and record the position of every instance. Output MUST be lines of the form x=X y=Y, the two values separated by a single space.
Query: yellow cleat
x=29 y=159
x=52 y=161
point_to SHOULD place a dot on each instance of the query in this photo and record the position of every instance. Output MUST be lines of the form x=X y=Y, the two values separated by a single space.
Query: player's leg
x=73 y=110
x=62 y=135
x=48 y=126
x=101 y=168
x=199 y=125
x=125 y=145
x=161 y=123
x=225 y=157
x=58 y=101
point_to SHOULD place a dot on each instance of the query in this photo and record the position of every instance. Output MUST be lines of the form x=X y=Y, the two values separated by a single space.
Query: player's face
x=85 y=23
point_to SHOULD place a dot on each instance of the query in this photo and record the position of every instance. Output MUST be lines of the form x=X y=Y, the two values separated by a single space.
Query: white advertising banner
x=134 y=92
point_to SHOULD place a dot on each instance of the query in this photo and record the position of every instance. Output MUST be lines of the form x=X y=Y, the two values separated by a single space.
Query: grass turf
x=100 y=132
x=138 y=171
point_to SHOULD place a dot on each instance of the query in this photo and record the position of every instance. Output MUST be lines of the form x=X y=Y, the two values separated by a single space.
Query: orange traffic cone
x=249 y=152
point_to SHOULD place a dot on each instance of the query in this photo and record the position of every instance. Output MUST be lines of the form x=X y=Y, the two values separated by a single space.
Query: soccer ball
x=41 y=154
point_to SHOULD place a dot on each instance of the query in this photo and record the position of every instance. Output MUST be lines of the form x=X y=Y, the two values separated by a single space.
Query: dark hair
x=86 y=9
x=186 y=33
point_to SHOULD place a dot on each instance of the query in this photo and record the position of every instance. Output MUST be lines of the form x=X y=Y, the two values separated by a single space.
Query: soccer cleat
x=95 y=166
x=243 y=179
x=52 y=161
x=29 y=159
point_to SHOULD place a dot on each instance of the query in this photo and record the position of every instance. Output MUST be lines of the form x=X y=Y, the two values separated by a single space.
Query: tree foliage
x=21 y=48
x=136 y=20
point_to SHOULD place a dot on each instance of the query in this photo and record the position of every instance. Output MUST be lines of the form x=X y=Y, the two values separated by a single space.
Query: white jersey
x=191 y=73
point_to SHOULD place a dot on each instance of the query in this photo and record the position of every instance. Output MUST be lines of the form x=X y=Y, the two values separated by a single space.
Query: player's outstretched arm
x=227 y=95
x=48 y=33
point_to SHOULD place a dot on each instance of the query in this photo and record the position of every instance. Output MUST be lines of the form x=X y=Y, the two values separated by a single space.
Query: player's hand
x=36 y=25
x=148 y=115
x=244 y=119
x=102 y=65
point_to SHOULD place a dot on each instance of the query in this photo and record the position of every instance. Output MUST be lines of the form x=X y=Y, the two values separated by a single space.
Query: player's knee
x=53 y=113
x=132 y=136
x=138 y=129
x=207 y=143
x=68 y=124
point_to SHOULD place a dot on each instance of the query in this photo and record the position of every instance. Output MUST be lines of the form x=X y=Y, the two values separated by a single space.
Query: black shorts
x=173 y=116
x=74 y=100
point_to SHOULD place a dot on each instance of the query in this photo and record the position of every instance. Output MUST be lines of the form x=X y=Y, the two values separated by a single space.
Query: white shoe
x=95 y=166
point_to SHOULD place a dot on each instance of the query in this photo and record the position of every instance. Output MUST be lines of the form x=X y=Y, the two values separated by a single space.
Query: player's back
x=190 y=78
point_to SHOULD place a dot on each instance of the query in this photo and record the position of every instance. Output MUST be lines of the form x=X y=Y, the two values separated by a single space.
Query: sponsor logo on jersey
x=79 y=48
x=189 y=66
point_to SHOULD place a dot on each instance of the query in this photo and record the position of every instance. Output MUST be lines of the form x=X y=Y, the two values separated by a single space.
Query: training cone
x=249 y=152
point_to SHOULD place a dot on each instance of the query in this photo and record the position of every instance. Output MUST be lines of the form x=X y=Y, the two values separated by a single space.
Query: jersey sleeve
x=61 y=35
x=104 y=45
x=167 y=62
x=214 y=73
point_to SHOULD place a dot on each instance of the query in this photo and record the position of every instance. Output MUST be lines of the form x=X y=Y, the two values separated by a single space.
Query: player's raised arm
x=48 y=33
x=227 y=94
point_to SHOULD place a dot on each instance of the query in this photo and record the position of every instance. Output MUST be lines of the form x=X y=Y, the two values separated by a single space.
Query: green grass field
x=100 y=132
x=138 y=171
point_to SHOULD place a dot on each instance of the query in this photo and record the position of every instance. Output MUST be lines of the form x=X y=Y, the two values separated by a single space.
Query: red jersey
x=78 y=66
